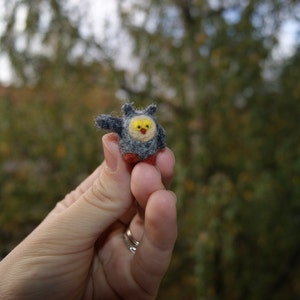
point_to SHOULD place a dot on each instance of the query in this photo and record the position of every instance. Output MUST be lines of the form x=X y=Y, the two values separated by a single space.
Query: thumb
x=104 y=201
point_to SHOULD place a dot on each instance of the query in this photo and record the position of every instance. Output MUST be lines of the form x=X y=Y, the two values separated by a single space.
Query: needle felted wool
x=141 y=136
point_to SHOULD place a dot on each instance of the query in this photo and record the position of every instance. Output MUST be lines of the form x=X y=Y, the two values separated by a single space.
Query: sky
x=99 y=13
x=287 y=39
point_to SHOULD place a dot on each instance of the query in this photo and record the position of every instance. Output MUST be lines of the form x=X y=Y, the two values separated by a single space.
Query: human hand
x=78 y=251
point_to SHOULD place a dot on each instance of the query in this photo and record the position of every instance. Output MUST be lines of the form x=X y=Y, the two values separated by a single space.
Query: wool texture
x=141 y=136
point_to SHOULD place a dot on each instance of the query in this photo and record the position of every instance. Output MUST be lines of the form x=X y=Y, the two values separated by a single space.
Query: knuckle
x=100 y=196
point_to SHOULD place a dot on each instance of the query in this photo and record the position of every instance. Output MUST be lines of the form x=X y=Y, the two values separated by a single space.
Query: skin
x=78 y=251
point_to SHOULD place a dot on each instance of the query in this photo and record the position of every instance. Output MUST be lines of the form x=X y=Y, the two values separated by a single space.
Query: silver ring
x=130 y=241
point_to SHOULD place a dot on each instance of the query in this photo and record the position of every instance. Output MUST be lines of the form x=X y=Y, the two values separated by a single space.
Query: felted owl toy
x=141 y=136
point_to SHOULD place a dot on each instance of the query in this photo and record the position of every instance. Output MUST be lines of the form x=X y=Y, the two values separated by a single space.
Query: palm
x=78 y=251
x=111 y=276
x=109 y=270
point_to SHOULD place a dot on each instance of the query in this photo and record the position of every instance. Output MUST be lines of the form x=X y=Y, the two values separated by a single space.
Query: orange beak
x=143 y=131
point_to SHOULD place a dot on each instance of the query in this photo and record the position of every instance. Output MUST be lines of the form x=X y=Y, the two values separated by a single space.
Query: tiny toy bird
x=141 y=136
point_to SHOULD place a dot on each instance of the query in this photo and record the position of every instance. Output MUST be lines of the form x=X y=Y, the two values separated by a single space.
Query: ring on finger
x=130 y=242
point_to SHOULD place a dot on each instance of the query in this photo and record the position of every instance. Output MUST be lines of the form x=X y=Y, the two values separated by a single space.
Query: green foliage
x=235 y=137
x=48 y=146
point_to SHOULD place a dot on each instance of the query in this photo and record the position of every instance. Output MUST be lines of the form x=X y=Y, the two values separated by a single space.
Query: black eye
x=139 y=127
x=147 y=126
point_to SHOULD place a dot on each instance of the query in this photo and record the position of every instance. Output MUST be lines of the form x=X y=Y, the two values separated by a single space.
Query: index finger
x=146 y=178
x=165 y=162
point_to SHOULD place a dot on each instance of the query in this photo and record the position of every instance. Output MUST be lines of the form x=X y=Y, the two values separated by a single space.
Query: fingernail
x=111 y=152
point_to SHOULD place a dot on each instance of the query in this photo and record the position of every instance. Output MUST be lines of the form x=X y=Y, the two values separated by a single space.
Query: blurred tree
x=234 y=130
x=205 y=62
x=51 y=42
x=48 y=142
x=48 y=145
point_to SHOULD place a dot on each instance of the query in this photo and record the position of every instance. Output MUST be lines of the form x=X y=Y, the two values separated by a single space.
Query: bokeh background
x=226 y=78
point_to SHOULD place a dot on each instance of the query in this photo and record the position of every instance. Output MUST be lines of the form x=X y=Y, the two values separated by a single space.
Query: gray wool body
x=131 y=141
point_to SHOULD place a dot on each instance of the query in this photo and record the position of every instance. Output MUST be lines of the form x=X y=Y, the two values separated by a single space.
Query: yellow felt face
x=142 y=128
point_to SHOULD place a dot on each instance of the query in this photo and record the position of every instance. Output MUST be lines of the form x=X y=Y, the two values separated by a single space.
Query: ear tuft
x=128 y=109
x=151 y=109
